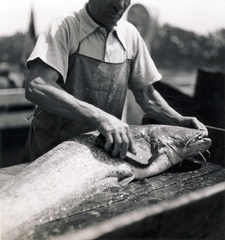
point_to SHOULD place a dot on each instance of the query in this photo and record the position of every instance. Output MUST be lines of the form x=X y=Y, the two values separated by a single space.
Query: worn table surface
x=178 y=181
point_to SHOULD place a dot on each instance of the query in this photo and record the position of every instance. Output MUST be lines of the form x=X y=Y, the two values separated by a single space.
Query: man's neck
x=108 y=29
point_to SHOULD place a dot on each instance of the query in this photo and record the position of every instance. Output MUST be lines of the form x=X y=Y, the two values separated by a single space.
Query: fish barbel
x=48 y=188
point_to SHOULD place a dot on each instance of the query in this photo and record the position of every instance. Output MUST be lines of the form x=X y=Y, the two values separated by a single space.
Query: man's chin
x=111 y=24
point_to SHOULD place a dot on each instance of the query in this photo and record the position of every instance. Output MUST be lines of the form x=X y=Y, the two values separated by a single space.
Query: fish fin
x=158 y=148
x=126 y=181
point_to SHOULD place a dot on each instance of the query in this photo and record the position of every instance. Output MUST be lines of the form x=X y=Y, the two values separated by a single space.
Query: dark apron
x=101 y=84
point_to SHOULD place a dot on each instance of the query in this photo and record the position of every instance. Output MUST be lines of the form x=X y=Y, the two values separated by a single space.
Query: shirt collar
x=120 y=35
x=88 y=26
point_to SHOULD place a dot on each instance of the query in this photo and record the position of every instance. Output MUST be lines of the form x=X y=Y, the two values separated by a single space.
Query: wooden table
x=186 y=202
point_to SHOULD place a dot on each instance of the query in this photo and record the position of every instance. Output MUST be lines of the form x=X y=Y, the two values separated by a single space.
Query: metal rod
x=215 y=128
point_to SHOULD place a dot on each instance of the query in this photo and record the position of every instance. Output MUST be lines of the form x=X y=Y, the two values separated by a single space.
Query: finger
x=124 y=146
x=109 y=142
x=200 y=126
x=131 y=146
x=203 y=129
x=117 y=144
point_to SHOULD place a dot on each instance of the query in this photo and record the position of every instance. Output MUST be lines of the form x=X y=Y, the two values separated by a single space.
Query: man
x=78 y=76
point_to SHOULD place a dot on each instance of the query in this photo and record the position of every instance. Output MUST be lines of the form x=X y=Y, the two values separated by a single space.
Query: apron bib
x=101 y=84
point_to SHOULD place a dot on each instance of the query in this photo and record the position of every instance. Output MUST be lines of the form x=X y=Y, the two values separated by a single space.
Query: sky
x=200 y=16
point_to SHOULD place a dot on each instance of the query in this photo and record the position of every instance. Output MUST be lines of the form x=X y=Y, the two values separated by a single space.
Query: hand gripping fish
x=52 y=185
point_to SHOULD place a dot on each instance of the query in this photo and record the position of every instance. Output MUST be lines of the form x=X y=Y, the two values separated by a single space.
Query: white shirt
x=70 y=32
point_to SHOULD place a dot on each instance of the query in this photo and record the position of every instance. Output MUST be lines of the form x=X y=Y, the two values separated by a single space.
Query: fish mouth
x=197 y=139
x=195 y=145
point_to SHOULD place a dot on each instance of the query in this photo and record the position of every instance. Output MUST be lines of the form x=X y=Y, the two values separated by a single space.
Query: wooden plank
x=15 y=119
x=9 y=97
x=179 y=181
x=197 y=215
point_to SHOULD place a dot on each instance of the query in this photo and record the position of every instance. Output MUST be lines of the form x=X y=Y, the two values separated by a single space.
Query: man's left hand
x=193 y=122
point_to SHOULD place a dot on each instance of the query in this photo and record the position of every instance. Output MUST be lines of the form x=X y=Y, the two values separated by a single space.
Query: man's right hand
x=117 y=135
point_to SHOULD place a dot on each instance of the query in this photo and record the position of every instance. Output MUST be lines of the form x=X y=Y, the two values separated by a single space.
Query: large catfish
x=53 y=184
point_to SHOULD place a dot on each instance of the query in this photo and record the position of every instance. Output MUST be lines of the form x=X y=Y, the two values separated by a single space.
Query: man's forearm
x=156 y=107
x=42 y=89
x=54 y=99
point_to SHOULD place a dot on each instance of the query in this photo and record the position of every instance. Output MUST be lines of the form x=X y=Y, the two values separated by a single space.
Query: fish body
x=48 y=188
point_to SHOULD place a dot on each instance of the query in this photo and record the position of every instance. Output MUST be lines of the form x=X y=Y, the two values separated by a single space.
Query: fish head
x=178 y=143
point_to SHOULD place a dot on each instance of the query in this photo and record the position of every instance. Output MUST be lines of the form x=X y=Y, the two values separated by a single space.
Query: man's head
x=107 y=12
